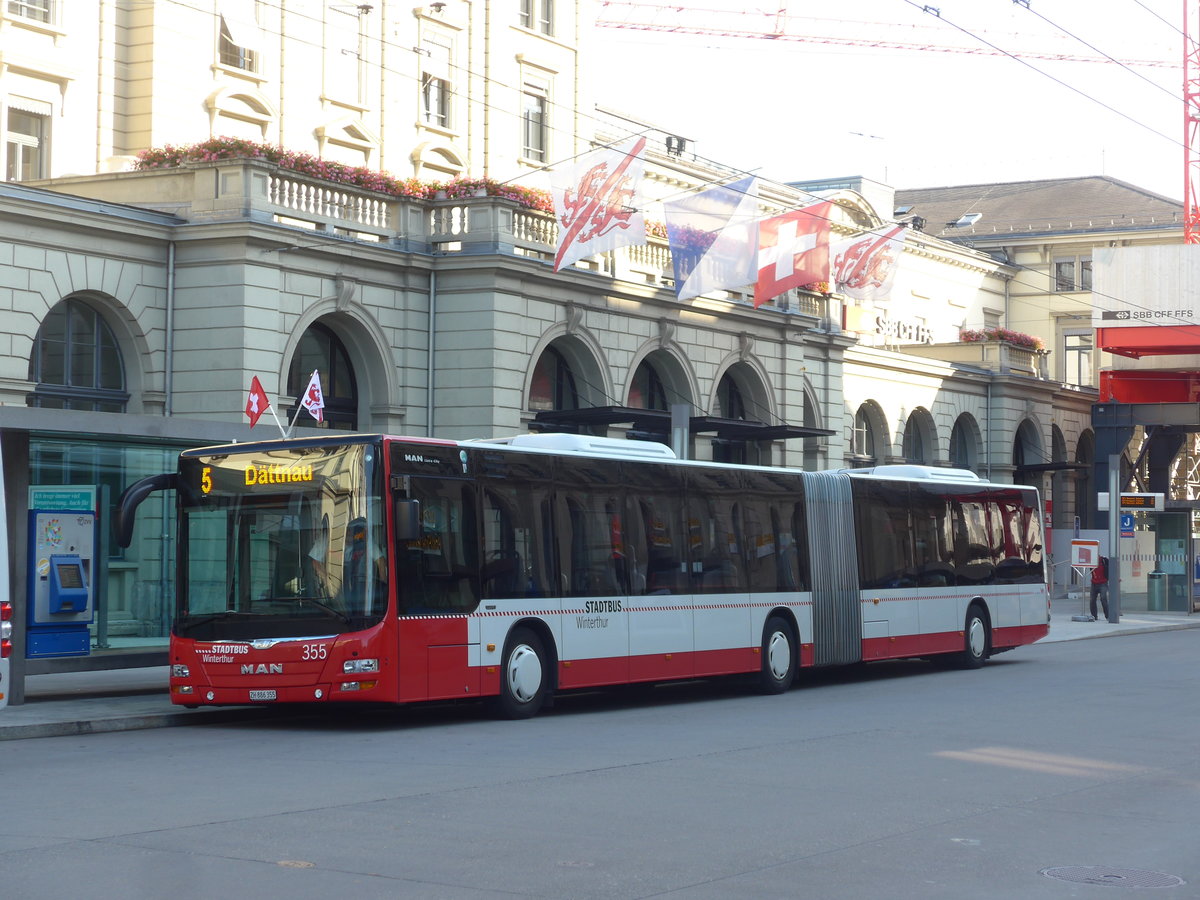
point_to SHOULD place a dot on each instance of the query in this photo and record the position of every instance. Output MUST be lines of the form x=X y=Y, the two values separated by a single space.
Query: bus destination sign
x=1149 y=502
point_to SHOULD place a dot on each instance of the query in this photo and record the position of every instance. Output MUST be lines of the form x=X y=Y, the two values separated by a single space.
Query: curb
x=110 y=724
x=1101 y=633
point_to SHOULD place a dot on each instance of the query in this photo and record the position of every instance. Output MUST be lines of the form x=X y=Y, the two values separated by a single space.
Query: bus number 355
x=314 y=651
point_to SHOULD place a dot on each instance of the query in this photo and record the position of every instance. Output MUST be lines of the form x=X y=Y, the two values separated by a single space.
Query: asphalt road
x=1058 y=770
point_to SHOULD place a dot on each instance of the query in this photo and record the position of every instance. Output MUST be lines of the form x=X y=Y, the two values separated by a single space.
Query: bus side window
x=884 y=534
x=775 y=535
x=973 y=562
x=439 y=571
x=796 y=545
x=932 y=547
x=502 y=561
x=714 y=532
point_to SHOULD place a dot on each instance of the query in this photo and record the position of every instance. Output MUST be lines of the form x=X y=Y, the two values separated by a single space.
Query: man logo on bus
x=263 y=669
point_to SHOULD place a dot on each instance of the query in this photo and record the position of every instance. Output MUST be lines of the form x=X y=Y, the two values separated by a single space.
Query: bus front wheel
x=975 y=640
x=523 y=678
x=778 y=657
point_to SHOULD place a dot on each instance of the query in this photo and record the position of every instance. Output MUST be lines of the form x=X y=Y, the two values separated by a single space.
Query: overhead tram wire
x=924 y=8
x=1169 y=24
x=1028 y=8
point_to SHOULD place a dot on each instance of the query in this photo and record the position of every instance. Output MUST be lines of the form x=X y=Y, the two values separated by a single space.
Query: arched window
x=919 y=438
x=322 y=350
x=647 y=390
x=553 y=384
x=730 y=404
x=76 y=363
x=964 y=444
x=1027 y=451
x=914 y=442
x=862 y=441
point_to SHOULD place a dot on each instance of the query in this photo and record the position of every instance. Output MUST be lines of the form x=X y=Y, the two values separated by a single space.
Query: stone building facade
x=138 y=306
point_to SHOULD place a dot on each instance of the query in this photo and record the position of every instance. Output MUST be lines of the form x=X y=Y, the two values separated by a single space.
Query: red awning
x=1150 y=340
x=1149 y=386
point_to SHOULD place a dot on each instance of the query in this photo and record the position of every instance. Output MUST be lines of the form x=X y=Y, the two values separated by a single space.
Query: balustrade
x=232 y=188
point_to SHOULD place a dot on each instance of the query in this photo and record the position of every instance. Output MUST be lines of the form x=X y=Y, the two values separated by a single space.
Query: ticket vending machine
x=61 y=577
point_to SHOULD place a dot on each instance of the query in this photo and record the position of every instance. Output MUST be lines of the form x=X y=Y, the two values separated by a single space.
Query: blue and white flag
x=714 y=238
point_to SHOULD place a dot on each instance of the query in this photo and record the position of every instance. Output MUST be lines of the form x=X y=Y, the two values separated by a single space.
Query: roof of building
x=1094 y=203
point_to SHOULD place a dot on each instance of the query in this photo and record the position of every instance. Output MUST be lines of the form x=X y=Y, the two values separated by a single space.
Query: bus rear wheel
x=976 y=640
x=523 y=678
x=778 y=657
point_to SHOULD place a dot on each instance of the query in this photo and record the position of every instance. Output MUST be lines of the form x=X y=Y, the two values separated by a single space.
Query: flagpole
x=275 y=416
x=292 y=424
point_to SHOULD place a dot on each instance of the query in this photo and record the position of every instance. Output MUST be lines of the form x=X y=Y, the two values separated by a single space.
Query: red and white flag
x=313 y=400
x=864 y=266
x=793 y=250
x=598 y=203
x=256 y=402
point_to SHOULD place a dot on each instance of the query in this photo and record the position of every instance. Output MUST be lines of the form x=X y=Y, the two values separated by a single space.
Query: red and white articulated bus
x=396 y=570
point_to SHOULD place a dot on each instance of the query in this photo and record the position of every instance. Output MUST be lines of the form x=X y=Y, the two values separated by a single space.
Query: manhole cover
x=1127 y=878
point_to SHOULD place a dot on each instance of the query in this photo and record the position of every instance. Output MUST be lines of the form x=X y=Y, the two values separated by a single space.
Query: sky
x=792 y=110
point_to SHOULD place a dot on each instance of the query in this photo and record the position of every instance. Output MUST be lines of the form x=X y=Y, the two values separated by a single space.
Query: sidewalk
x=131 y=699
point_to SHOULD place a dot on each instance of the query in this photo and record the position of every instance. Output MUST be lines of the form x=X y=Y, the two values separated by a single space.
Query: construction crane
x=781 y=25
x=1191 y=121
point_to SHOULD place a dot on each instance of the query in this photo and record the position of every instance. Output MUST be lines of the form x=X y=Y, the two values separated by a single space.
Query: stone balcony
x=1002 y=357
x=257 y=190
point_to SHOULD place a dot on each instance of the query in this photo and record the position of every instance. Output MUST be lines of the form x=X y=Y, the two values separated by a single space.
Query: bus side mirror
x=133 y=496
x=408 y=519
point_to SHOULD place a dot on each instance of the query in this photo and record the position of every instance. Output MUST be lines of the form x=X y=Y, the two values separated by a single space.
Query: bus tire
x=523 y=678
x=976 y=639
x=778 y=657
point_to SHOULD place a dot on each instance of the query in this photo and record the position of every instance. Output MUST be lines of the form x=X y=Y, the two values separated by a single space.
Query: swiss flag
x=256 y=401
x=793 y=250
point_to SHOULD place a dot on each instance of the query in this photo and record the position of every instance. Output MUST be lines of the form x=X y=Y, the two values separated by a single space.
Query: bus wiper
x=193 y=621
x=325 y=607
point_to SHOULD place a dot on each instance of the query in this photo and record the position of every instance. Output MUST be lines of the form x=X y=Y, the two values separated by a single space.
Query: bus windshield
x=280 y=543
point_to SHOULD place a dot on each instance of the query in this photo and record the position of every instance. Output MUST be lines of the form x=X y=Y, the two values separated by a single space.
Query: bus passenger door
x=661 y=642
x=437 y=580
x=724 y=540
x=594 y=574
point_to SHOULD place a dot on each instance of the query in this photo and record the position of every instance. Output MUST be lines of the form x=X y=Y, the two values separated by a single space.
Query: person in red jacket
x=1100 y=586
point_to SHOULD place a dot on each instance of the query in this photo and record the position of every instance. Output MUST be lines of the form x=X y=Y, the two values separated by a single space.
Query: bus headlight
x=178 y=671
x=351 y=666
